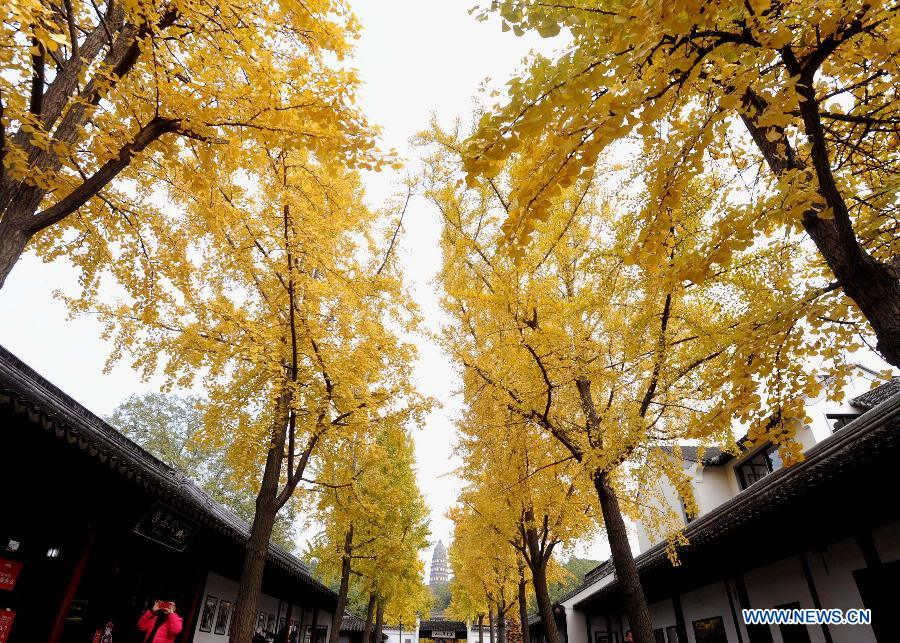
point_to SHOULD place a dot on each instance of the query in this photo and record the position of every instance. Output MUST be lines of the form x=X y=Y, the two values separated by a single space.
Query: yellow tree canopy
x=617 y=358
x=277 y=284
x=485 y=567
x=371 y=486
x=796 y=99
x=92 y=92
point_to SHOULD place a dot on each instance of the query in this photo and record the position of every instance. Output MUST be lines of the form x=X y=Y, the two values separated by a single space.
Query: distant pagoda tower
x=440 y=573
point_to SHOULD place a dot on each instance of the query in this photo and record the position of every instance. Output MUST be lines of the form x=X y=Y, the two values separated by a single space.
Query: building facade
x=93 y=530
x=824 y=533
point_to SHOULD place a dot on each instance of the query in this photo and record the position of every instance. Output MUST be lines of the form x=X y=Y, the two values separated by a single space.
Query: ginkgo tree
x=617 y=359
x=799 y=96
x=525 y=488
x=373 y=522
x=485 y=572
x=90 y=92
x=279 y=292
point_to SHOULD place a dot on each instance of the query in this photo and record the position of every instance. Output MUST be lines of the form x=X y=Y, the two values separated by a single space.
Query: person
x=628 y=637
x=104 y=634
x=160 y=624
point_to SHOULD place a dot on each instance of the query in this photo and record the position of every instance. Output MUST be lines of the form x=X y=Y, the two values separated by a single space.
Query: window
x=793 y=633
x=758 y=466
x=710 y=630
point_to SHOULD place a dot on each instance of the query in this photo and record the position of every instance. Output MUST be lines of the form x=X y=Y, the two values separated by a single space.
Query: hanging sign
x=7 y=617
x=443 y=634
x=164 y=526
x=9 y=573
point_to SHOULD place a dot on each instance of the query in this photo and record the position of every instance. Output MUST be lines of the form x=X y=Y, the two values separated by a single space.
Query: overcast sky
x=416 y=58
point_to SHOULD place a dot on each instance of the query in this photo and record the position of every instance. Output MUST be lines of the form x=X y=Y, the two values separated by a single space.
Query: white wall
x=226 y=589
x=473 y=632
x=780 y=583
x=712 y=486
x=396 y=636
x=576 y=631
x=706 y=602
x=832 y=573
x=775 y=584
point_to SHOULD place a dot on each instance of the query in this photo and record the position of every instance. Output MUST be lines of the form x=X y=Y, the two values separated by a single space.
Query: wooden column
x=190 y=620
x=287 y=623
x=59 y=621
x=734 y=618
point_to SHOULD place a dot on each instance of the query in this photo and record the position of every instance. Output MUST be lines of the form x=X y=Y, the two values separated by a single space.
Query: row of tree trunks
x=370 y=613
x=379 y=620
x=537 y=559
x=338 y=616
x=523 y=606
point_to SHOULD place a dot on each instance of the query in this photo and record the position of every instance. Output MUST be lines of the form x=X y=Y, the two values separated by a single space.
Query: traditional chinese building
x=93 y=529
x=824 y=533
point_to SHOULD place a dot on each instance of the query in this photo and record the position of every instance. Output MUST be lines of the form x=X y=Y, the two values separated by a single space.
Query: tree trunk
x=523 y=606
x=623 y=561
x=501 y=625
x=12 y=245
x=379 y=620
x=335 y=633
x=370 y=612
x=545 y=605
x=480 y=628
x=537 y=563
x=260 y=533
x=491 y=623
x=873 y=286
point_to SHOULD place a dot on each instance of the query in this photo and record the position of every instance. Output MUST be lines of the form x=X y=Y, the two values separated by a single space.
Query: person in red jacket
x=161 y=624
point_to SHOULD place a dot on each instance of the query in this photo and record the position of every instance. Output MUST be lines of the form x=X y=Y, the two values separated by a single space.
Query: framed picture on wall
x=223 y=617
x=208 y=615
x=710 y=630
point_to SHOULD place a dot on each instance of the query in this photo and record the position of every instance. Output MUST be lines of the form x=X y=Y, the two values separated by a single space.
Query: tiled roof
x=871 y=399
x=45 y=405
x=690 y=454
x=352 y=623
x=872 y=432
x=441 y=624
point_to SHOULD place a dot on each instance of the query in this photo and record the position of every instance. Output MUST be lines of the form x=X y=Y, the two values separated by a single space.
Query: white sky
x=416 y=58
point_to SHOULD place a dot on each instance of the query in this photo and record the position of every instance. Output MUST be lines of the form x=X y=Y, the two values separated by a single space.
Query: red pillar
x=190 y=621
x=71 y=588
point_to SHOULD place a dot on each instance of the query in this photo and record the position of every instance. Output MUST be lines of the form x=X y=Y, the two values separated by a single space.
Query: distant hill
x=441 y=593
x=578 y=567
